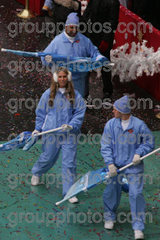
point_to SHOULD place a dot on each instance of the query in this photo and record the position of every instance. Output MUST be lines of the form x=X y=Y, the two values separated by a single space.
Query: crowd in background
x=147 y=10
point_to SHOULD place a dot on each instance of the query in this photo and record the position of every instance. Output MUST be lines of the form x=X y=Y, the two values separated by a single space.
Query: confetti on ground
x=29 y=212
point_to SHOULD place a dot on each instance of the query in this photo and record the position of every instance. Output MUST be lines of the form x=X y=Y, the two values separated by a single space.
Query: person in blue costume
x=125 y=139
x=73 y=44
x=60 y=105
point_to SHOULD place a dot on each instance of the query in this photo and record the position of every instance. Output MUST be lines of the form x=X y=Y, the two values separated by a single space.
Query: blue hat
x=72 y=19
x=123 y=105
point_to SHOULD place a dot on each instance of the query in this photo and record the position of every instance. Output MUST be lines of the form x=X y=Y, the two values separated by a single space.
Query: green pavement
x=30 y=213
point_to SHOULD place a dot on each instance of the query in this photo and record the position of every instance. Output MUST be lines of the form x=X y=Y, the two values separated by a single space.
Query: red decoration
x=130 y=130
x=150 y=83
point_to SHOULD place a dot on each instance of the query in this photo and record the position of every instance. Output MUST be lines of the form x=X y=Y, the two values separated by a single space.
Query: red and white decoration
x=130 y=39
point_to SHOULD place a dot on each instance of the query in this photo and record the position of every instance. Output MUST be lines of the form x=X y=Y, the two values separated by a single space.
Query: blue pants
x=112 y=195
x=81 y=83
x=51 y=148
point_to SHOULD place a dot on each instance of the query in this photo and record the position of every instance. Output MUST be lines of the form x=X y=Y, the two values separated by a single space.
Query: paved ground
x=29 y=212
x=23 y=80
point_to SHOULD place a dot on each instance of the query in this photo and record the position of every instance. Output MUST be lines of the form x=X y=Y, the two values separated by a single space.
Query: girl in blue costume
x=60 y=105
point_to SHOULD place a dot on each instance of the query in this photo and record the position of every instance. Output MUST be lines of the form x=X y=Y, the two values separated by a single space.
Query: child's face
x=62 y=79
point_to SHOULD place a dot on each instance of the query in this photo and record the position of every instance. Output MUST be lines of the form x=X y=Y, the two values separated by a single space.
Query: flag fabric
x=74 y=64
x=17 y=142
x=30 y=142
x=93 y=178
x=89 y=180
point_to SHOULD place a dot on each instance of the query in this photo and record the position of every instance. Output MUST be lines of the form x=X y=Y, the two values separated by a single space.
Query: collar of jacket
x=130 y=126
x=65 y=39
x=60 y=93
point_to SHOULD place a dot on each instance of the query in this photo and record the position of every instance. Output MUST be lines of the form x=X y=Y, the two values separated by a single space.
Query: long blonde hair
x=69 y=93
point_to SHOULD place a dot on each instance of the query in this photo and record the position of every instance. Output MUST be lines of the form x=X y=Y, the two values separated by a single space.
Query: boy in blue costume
x=125 y=139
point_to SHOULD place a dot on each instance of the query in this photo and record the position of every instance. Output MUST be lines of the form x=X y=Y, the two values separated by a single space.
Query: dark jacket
x=60 y=12
x=104 y=14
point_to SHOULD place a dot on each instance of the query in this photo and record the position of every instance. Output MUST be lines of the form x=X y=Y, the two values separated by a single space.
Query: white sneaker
x=138 y=234
x=73 y=200
x=35 y=180
x=108 y=225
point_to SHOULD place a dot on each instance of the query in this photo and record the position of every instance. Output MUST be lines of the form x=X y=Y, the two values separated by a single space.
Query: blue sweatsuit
x=62 y=112
x=81 y=47
x=118 y=147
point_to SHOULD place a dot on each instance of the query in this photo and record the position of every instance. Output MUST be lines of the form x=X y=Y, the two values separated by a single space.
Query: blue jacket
x=62 y=112
x=81 y=47
x=118 y=146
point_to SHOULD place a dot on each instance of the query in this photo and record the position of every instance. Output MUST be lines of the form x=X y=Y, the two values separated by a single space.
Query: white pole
x=147 y=155
x=49 y=131
x=53 y=130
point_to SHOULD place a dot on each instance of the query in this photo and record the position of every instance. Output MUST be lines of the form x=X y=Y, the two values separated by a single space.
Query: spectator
x=60 y=9
x=48 y=7
x=103 y=15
